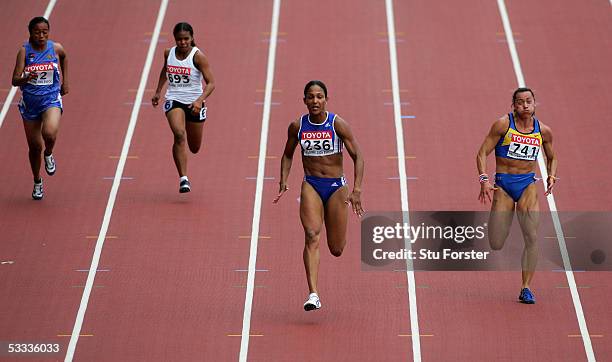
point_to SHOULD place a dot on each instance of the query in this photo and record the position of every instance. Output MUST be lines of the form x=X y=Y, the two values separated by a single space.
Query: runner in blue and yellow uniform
x=324 y=198
x=517 y=138
x=37 y=71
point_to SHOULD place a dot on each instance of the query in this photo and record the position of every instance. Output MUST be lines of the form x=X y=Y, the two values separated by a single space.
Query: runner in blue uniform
x=324 y=197
x=41 y=73
x=517 y=138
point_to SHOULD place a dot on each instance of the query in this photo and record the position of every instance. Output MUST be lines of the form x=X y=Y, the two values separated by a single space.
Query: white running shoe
x=38 y=193
x=313 y=302
x=50 y=165
x=184 y=185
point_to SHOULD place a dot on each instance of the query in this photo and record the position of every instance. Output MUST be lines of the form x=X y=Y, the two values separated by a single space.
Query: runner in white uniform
x=185 y=66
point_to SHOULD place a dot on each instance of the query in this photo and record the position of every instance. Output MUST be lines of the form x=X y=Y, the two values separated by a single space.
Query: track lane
x=570 y=70
x=351 y=325
x=174 y=289
x=469 y=76
x=49 y=240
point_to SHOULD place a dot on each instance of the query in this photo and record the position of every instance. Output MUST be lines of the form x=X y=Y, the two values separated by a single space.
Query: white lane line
x=586 y=339
x=13 y=91
x=115 y=188
x=401 y=164
x=261 y=165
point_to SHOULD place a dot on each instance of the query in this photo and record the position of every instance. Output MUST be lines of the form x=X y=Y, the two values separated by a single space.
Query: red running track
x=171 y=291
x=48 y=241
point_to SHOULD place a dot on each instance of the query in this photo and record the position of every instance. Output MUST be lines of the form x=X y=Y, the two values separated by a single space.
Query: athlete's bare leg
x=500 y=218
x=527 y=211
x=35 y=145
x=50 y=128
x=311 y=215
x=336 y=216
x=176 y=119
x=194 y=135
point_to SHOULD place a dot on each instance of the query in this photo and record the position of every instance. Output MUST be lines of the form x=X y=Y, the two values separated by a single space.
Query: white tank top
x=184 y=79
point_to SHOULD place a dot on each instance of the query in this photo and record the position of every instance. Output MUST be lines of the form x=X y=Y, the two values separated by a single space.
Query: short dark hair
x=521 y=90
x=37 y=20
x=184 y=27
x=315 y=82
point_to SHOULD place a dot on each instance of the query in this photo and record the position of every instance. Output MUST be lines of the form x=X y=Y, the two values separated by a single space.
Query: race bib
x=45 y=73
x=178 y=77
x=317 y=143
x=524 y=147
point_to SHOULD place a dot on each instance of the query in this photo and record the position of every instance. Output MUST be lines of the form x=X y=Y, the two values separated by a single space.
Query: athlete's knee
x=336 y=250
x=497 y=238
x=496 y=243
x=530 y=241
x=180 y=137
x=49 y=136
x=194 y=148
x=312 y=235
x=35 y=147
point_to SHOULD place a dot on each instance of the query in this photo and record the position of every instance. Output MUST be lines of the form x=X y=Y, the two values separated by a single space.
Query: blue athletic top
x=45 y=63
x=517 y=145
x=319 y=139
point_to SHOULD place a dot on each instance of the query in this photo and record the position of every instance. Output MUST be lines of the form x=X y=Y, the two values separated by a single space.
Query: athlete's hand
x=283 y=188
x=486 y=189
x=155 y=99
x=355 y=201
x=550 y=183
x=64 y=89
x=196 y=107
x=30 y=75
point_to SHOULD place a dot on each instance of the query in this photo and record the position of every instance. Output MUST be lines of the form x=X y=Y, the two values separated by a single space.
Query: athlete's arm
x=287 y=159
x=61 y=54
x=19 y=78
x=201 y=62
x=497 y=130
x=161 y=81
x=344 y=131
x=551 y=158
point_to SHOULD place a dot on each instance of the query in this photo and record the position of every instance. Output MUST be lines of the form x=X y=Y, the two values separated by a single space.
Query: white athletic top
x=184 y=79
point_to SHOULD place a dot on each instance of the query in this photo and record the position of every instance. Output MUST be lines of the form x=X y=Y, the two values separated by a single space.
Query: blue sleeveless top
x=517 y=145
x=319 y=139
x=45 y=63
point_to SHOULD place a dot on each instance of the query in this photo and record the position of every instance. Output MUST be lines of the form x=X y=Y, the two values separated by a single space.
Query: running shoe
x=312 y=303
x=38 y=193
x=526 y=296
x=184 y=186
x=50 y=165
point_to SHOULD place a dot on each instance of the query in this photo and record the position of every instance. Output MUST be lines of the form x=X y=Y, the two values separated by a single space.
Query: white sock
x=312 y=295
x=183 y=178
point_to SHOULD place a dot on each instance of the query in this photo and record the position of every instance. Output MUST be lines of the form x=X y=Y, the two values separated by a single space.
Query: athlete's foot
x=50 y=165
x=38 y=193
x=312 y=303
x=184 y=185
x=527 y=296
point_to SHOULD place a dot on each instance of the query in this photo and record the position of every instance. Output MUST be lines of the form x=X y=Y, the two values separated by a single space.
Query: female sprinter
x=184 y=67
x=324 y=196
x=517 y=138
x=37 y=71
